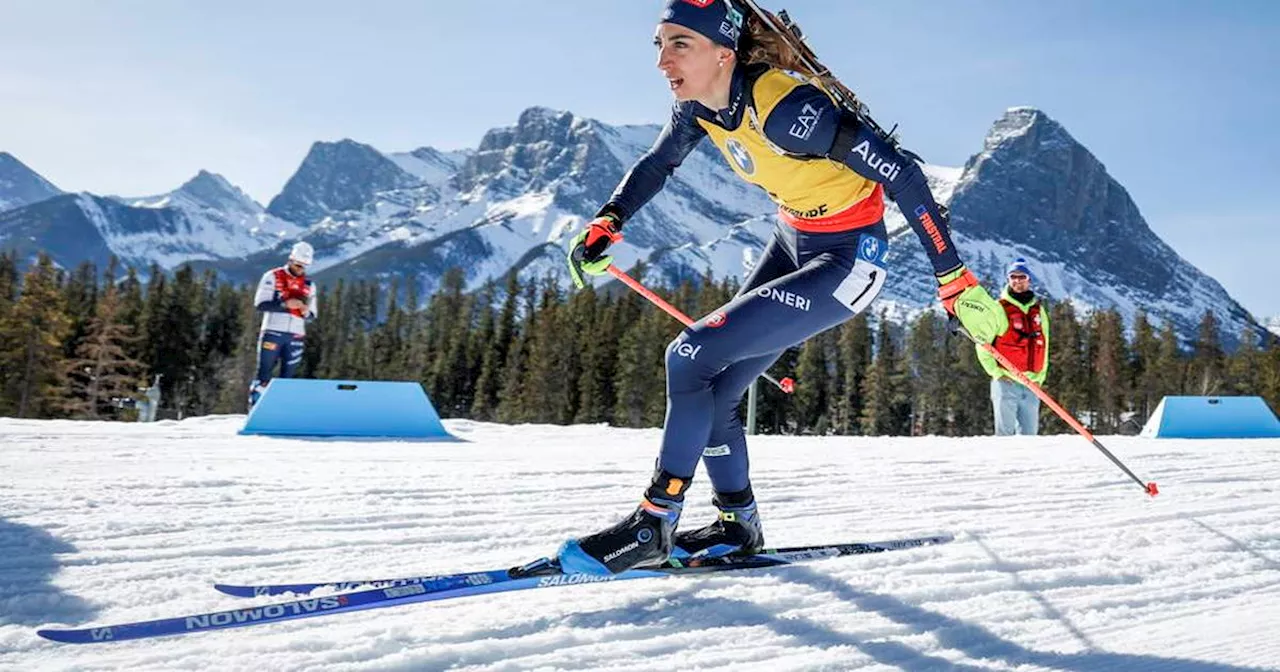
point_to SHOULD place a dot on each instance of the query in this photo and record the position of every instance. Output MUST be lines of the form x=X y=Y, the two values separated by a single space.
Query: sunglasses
x=1018 y=276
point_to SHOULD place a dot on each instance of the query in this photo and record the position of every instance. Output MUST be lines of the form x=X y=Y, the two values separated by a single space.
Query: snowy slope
x=1061 y=563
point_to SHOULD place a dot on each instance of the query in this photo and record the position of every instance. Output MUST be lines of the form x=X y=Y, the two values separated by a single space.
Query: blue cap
x=718 y=20
x=1019 y=265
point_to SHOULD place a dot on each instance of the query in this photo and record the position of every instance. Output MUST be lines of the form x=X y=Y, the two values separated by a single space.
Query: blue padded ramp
x=347 y=408
x=1213 y=418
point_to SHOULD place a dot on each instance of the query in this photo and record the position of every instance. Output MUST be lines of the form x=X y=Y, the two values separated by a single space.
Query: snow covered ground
x=1060 y=562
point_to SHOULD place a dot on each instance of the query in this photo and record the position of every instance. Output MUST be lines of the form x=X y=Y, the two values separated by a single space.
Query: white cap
x=301 y=253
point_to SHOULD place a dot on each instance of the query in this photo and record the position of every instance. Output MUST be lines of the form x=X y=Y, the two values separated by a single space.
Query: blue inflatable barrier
x=1212 y=418
x=345 y=408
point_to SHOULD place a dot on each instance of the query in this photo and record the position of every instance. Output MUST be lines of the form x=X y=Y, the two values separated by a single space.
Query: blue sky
x=1178 y=98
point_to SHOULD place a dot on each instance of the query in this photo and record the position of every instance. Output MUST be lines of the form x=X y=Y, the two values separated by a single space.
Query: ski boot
x=642 y=539
x=737 y=530
x=256 y=388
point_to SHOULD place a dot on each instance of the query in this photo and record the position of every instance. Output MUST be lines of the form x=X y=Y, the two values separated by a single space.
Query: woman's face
x=692 y=64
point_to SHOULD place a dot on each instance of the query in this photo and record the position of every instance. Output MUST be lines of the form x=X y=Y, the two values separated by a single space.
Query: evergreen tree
x=1170 y=365
x=1110 y=359
x=477 y=343
x=1207 y=359
x=776 y=410
x=9 y=288
x=853 y=359
x=1070 y=375
x=327 y=334
x=1244 y=366
x=153 y=321
x=967 y=394
x=218 y=363
x=493 y=362
x=101 y=370
x=640 y=382
x=415 y=355
x=1269 y=375
x=448 y=322
x=1143 y=371
x=927 y=368
x=390 y=339
x=177 y=344
x=887 y=408
x=9 y=277
x=79 y=296
x=131 y=311
x=240 y=368
x=812 y=399
x=550 y=368
x=596 y=319
x=31 y=341
x=511 y=407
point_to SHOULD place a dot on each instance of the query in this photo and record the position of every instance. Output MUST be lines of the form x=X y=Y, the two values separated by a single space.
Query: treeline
x=72 y=342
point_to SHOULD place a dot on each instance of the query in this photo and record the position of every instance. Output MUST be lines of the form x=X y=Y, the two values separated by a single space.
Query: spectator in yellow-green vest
x=1026 y=345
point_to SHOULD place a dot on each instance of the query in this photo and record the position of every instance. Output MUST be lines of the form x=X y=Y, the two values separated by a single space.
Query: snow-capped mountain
x=1036 y=192
x=19 y=185
x=336 y=177
x=353 y=199
x=512 y=203
x=1273 y=325
x=205 y=219
x=217 y=220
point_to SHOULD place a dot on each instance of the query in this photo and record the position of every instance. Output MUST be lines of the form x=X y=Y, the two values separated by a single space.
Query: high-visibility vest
x=1023 y=343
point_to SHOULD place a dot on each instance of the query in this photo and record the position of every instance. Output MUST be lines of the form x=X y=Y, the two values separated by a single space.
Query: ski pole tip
x=1152 y=489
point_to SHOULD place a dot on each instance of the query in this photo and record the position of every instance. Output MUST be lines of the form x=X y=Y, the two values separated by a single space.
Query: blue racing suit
x=825 y=263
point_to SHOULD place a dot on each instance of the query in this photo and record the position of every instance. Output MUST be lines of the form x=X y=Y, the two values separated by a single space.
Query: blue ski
x=437 y=583
x=544 y=573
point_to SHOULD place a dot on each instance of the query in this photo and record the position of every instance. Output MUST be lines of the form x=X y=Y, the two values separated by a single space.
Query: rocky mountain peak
x=213 y=190
x=336 y=177
x=19 y=185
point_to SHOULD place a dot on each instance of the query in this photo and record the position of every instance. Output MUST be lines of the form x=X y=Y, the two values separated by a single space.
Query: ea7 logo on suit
x=806 y=122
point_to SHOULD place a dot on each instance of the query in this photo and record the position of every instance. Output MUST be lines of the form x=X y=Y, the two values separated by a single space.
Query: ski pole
x=1149 y=487
x=787 y=385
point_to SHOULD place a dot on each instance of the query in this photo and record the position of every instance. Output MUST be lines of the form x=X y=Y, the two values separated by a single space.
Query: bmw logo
x=740 y=156
x=869 y=248
x=644 y=535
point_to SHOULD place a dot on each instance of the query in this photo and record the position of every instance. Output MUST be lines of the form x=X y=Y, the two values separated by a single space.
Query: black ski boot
x=737 y=530
x=642 y=539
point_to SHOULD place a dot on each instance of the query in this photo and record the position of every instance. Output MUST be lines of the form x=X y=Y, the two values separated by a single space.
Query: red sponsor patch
x=700 y=4
x=717 y=319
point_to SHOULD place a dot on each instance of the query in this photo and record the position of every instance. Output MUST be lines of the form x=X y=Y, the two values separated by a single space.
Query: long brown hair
x=760 y=44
